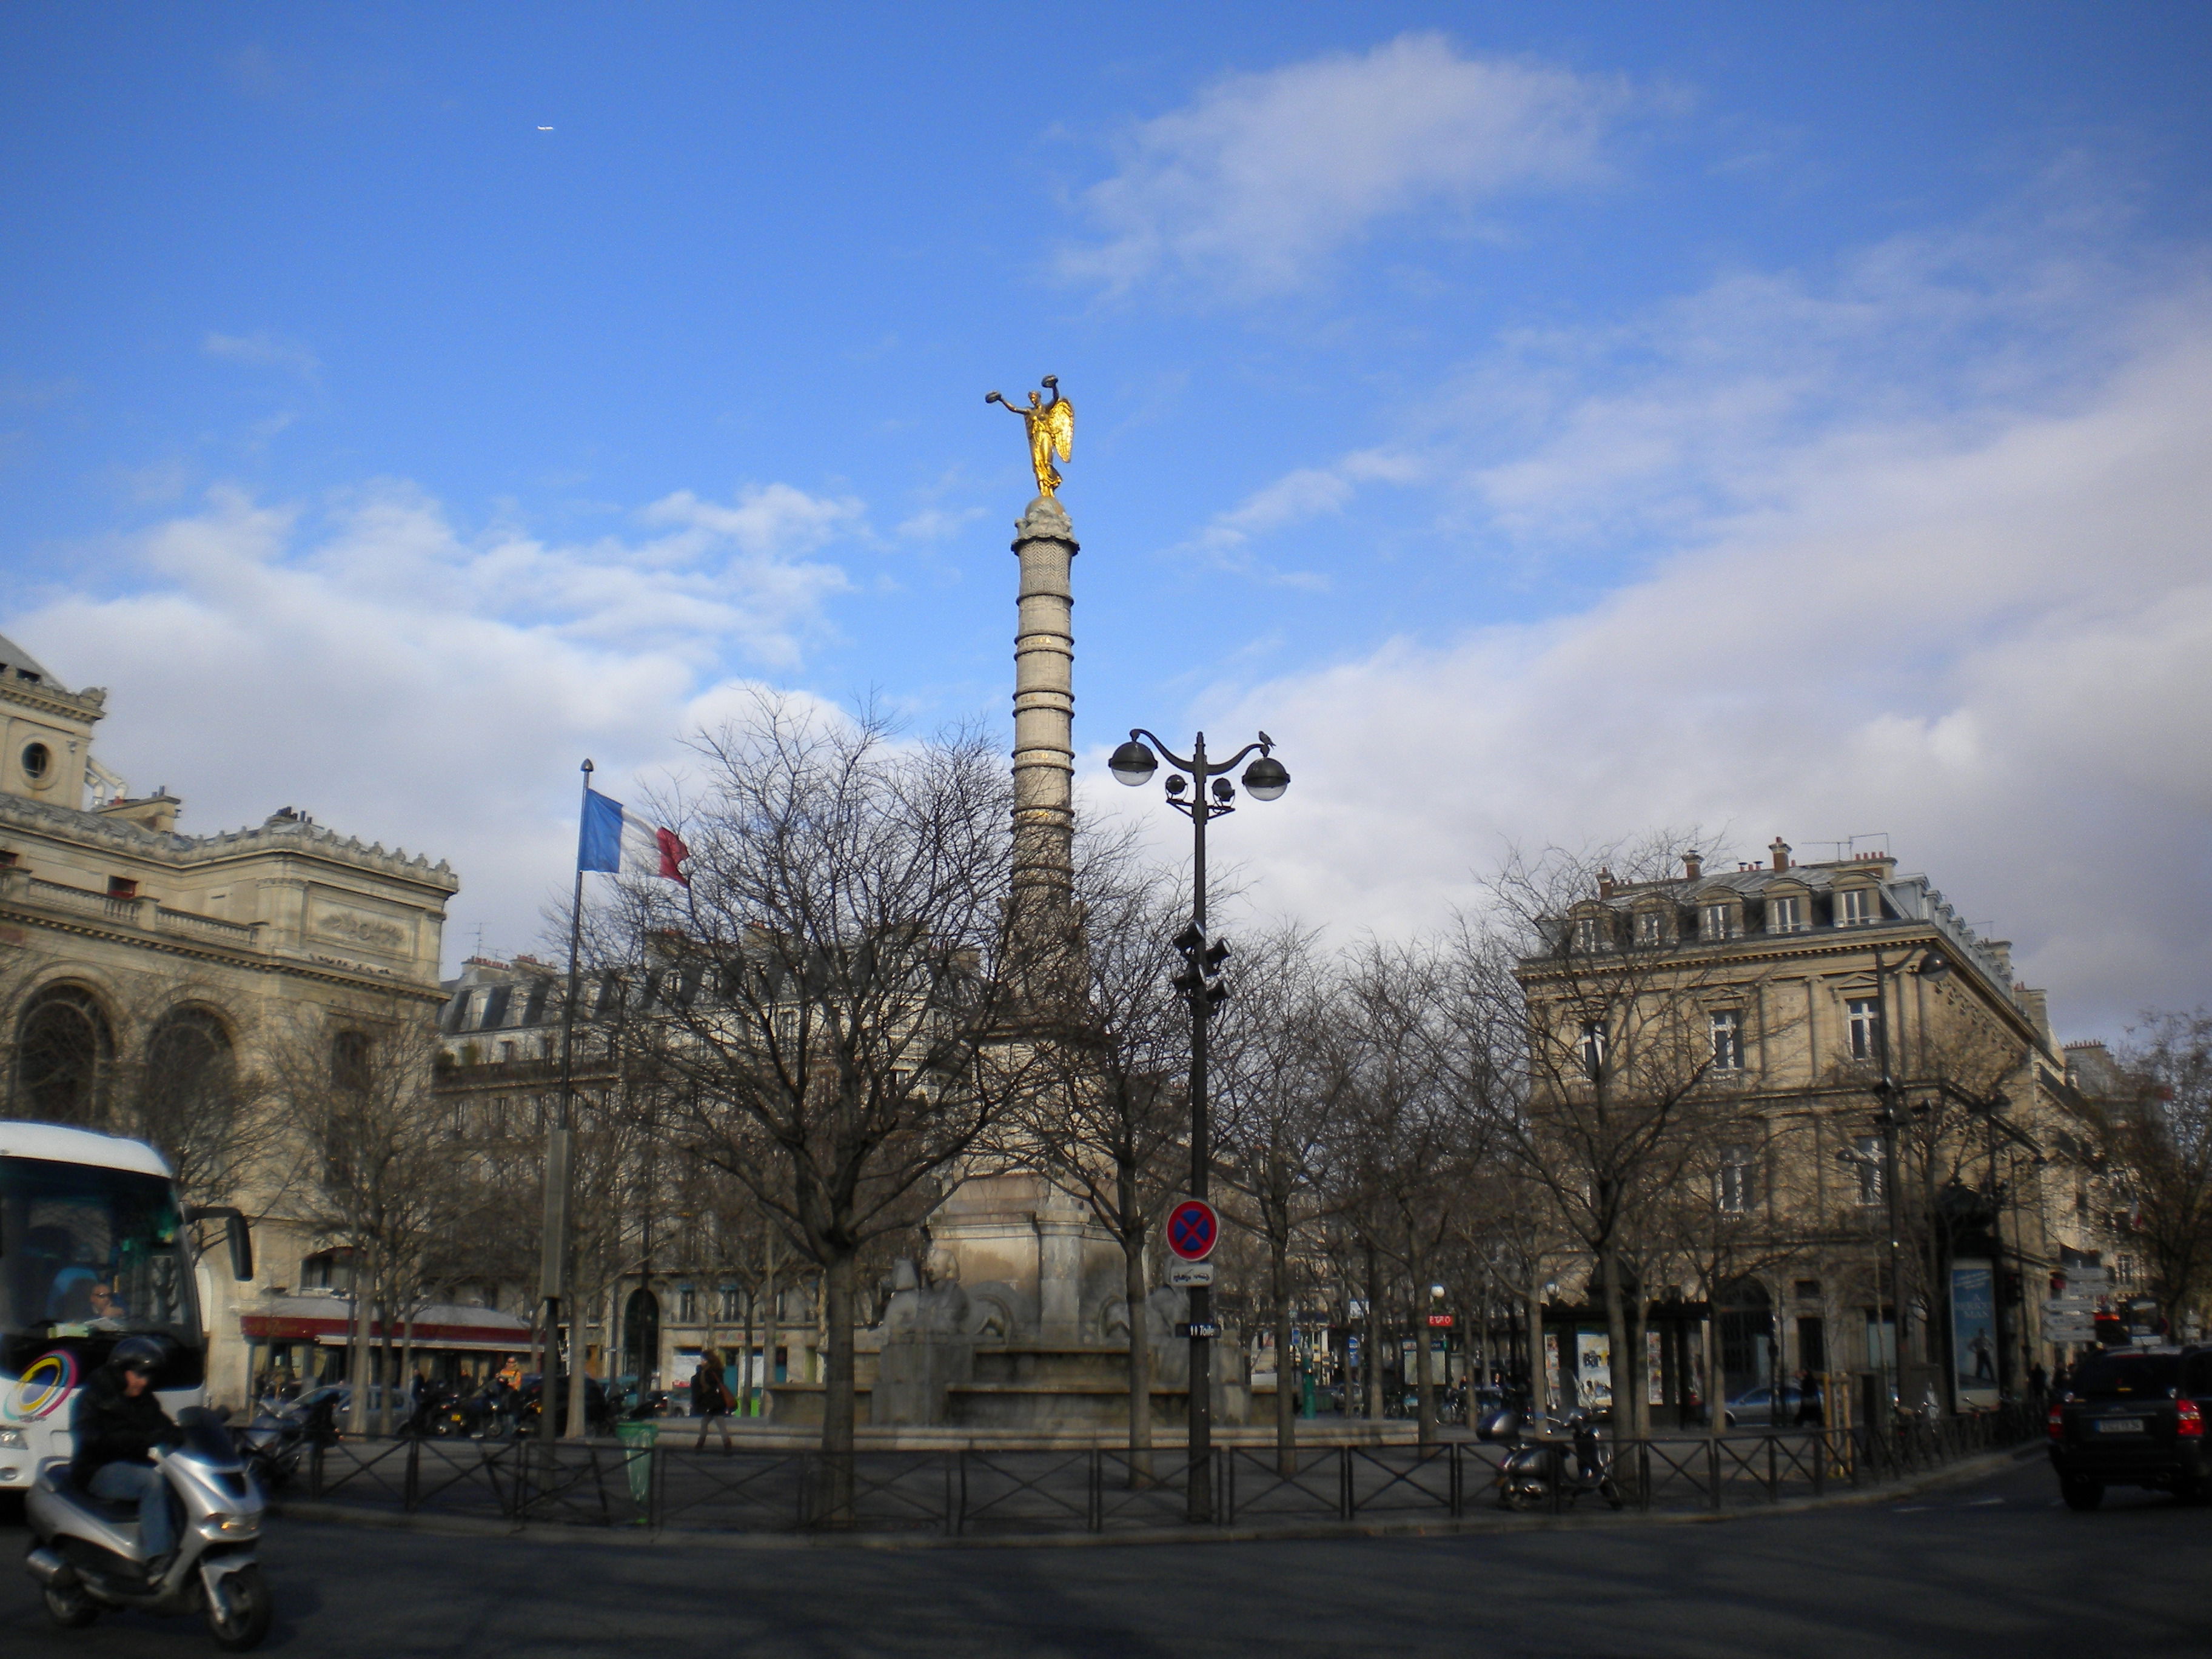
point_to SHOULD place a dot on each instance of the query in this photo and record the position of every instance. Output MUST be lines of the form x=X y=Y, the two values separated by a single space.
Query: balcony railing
x=146 y=915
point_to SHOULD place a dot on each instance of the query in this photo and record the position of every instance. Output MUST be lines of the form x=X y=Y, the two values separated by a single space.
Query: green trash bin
x=637 y=1442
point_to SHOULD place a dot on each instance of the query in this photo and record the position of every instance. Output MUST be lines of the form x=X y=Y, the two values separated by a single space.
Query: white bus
x=95 y=1246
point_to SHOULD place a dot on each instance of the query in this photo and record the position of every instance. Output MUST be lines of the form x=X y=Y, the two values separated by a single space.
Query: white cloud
x=1262 y=176
x=264 y=350
x=409 y=682
x=1987 y=632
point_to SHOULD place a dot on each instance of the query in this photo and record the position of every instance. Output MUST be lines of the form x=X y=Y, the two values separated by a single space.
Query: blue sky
x=1551 y=421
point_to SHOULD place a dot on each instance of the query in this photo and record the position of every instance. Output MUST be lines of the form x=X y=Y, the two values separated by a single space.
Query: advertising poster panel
x=1974 y=1334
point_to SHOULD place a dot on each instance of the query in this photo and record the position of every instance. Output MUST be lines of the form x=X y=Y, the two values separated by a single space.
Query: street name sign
x=1199 y=1327
x=1193 y=1229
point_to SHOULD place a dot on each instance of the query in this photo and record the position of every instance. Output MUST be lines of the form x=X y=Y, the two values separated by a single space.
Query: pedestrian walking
x=1809 y=1399
x=710 y=1399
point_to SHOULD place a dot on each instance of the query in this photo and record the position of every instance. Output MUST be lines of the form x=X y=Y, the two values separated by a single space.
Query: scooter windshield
x=88 y=1255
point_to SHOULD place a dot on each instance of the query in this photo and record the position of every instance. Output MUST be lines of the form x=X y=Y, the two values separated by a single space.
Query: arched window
x=188 y=1098
x=63 y=1048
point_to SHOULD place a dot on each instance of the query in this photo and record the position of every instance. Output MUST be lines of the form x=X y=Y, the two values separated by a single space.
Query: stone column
x=1044 y=709
x=1060 y=1231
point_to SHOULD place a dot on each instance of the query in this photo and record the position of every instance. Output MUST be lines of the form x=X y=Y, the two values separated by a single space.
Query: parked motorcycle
x=87 y=1558
x=1572 y=1458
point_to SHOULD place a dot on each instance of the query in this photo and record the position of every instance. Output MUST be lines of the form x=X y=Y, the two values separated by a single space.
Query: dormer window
x=1717 y=921
x=1650 y=930
x=1590 y=933
x=1785 y=913
x=1855 y=906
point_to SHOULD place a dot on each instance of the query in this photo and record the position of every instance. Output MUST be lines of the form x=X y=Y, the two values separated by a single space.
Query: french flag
x=614 y=839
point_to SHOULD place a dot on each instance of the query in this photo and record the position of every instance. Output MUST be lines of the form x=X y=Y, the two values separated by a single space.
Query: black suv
x=2133 y=1417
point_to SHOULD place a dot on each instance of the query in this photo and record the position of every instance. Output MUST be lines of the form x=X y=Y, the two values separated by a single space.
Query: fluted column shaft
x=1044 y=704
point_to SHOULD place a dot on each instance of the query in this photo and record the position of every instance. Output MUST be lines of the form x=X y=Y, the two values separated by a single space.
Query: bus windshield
x=89 y=1254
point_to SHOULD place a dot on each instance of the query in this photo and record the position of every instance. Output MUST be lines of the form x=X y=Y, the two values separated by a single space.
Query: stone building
x=1778 y=996
x=144 y=971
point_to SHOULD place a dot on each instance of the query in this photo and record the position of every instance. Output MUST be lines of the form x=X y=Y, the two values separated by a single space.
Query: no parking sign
x=1193 y=1229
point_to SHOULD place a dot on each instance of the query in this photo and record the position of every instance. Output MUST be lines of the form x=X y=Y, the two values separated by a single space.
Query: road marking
x=1980 y=1503
x=1910 y=1509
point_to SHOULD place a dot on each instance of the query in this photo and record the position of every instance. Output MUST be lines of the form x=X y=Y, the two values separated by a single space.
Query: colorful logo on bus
x=44 y=1386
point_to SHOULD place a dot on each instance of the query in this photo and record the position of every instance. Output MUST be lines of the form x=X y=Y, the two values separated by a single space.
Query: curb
x=455 y=1526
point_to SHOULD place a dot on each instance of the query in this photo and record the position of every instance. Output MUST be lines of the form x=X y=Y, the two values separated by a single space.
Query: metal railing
x=981 y=1490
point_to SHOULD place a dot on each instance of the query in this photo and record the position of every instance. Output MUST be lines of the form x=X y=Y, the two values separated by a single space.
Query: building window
x=1718 y=922
x=1593 y=1047
x=1727 y=1028
x=1737 y=1196
x=1854 y=907
x=38 y=759
x=1590 y=933
x=733 y=1305
x=687 y=1304
x=1648 y=933
x=1785 y=915
x=1862 y=1028
x=1867 y=1160
x=506 y=1050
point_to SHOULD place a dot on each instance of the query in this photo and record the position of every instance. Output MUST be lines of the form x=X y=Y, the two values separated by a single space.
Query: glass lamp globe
x=1132 y=763
x=1265 y=779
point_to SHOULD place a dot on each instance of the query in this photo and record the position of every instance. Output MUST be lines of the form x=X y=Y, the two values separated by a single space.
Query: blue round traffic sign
x=1193 y=1229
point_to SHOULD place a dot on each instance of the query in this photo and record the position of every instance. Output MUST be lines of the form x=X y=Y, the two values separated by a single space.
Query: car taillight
x=2059 y=1423
x=2188 y=1421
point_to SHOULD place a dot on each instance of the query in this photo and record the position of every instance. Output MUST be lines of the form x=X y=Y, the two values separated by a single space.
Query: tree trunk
x=1375 y=1337
x=1539 y=1382
x=1715 y=1408
x=1425 y=1387
x=579 y=1372
x=1286 y=1376
x=837 y=1394
x=1621 y=1371
x=357 y=1413
x=771 y=1317
x=1140 y=1361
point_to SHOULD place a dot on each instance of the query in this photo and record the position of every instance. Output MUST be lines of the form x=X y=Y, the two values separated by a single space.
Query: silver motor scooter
x=86 y=1556
x=1556 y=1467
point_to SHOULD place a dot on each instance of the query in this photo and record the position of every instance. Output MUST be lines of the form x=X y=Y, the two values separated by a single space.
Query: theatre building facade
x=148 y=977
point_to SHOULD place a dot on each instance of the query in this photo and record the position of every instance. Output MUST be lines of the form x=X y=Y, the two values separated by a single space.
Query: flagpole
x=553 y=1267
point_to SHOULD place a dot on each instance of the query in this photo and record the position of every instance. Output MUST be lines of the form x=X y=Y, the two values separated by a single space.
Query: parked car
x=2133 y=1417
x=1754 y=1408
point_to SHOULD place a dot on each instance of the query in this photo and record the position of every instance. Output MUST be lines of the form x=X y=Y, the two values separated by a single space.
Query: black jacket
x=113 y=1427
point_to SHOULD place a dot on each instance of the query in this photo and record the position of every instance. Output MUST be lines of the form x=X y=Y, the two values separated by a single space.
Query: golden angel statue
x=1051 y=425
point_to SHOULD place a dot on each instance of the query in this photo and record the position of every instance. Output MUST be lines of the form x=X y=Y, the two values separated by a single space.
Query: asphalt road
x=1996 y=1567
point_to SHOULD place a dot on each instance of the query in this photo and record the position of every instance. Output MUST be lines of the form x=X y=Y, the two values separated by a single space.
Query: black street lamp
x=1211 y=795
x=1890 y=1120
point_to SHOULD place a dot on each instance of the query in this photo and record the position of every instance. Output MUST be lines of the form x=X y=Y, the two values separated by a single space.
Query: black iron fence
x=983 y=1490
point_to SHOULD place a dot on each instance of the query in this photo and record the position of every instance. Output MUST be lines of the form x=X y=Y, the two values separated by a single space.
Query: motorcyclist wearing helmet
x=118 y=1421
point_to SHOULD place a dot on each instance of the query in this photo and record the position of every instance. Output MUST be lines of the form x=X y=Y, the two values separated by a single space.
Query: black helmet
x=137 y=1354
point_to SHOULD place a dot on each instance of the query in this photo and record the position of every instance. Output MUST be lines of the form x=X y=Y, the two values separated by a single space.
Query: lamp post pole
x=1211 y=796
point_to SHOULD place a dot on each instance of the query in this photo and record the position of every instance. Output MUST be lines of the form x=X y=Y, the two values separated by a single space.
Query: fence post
x=1345 y=1504
x=1713 y=1467
x=1643 y=1476
x=1455 y=1485
x=315 y=1469
x=1819 y=1462
x=411 y=1490
x=1773 y=1469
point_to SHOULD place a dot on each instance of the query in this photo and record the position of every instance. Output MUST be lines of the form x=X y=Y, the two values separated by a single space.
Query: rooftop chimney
x=1780 y=849
x=1693 y=865
x=1604 y=881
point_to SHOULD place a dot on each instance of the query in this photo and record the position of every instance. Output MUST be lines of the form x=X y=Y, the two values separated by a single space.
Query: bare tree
x=1618 y=1067
x=1274 y=1103
x=1106 y=1109
x=357 y=1086
x=830 y=996
x=2154 y=1130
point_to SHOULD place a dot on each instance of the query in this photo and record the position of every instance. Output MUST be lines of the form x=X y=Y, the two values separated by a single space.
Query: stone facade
x=1784 y=982
x=130 y=951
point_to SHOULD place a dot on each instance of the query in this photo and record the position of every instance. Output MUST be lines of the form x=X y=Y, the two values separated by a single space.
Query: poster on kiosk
x=1974 y=1334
